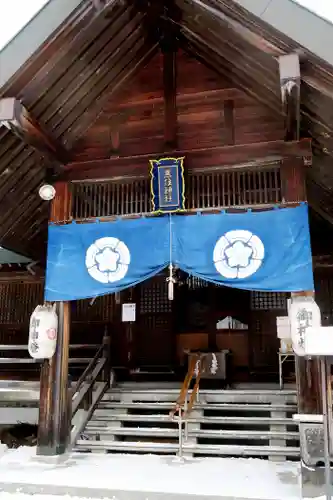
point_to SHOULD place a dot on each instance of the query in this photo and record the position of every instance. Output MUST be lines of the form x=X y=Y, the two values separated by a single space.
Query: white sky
x=16 y=13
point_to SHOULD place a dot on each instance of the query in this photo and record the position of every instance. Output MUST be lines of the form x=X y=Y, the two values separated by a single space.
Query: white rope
x=170 y=280
x=170 y=234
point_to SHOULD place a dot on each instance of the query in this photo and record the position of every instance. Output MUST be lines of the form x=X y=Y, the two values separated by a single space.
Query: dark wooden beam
x=168 y=39
x=129 y=108
x=170 y=92
x=19 y=277
x=221 y=156
x=290 y=83
x=18 y=119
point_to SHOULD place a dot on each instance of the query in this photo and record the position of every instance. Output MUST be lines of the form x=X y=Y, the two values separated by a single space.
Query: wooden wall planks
x=137 y=114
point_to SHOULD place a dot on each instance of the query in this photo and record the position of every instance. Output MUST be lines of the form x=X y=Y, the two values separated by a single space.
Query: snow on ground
x=245 y=478
x=21 y=496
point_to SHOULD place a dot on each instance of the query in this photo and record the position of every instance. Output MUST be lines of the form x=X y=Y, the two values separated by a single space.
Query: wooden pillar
x=293 y=190
x=170 y=93
x=54 y=410
x=308 y=386
x=308 y=379
x=307 y=371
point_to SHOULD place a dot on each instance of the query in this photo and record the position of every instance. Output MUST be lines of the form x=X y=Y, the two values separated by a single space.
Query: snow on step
x=223 y=450
x=223 y=423
x=165 y=432
x=206 y=406
x=216 y=420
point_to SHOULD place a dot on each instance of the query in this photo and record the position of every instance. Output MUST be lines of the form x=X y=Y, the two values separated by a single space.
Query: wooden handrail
x=195 y=361
x=194 y=390
x=89 y=389
x=89 y=369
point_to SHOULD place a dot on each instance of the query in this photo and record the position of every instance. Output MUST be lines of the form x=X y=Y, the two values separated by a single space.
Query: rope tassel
x=171 y=283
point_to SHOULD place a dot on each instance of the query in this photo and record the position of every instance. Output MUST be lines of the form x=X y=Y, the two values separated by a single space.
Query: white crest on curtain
x=238 y=254
x=107 y=260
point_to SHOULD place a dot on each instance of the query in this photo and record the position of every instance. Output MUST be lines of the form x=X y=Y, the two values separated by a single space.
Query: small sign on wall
x=283 y=327
x=128 y=313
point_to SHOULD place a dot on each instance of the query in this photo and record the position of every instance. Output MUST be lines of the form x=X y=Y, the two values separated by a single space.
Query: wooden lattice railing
x=208 y=190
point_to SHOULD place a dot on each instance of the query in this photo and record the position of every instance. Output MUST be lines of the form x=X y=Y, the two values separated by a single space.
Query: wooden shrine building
x=91 y=91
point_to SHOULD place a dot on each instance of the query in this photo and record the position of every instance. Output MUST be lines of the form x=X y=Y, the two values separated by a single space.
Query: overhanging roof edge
x=297 y=22
x=18 y=51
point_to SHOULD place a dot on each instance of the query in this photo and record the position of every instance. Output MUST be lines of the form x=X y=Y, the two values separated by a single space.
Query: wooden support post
x=170 y=91
x=54 y=417
x=292 y=173
x=54 y=407
x=293 y=190
x=307 y=371
x=308 y=379
x=290 y=83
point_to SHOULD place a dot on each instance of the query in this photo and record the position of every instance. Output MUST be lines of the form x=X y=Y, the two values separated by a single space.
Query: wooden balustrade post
x=54 y=413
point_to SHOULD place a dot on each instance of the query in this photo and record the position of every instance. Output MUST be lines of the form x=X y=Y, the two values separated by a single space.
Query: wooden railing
x=23 y=357
x=90 y=388
x=182 y=404
x=205 y=190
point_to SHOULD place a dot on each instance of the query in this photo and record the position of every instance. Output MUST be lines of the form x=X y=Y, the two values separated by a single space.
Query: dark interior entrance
x=202 y=317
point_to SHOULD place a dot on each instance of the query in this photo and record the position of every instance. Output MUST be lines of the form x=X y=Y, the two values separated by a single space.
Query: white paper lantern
x=303 y=313
x=43 y=332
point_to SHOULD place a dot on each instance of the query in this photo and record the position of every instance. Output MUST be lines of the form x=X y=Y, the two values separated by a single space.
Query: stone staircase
x=229 y=423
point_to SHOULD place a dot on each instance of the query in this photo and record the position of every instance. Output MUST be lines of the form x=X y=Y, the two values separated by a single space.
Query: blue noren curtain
x=266 y=251
x=93 y=259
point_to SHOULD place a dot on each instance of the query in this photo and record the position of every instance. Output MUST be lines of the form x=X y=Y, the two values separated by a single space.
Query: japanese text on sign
x=167 y=186
x=304 y=321
x=304 y=314
x=34 y=335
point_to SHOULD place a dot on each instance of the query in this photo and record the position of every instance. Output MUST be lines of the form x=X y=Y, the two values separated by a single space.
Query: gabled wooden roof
x=74 y=54
x=64 y=84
